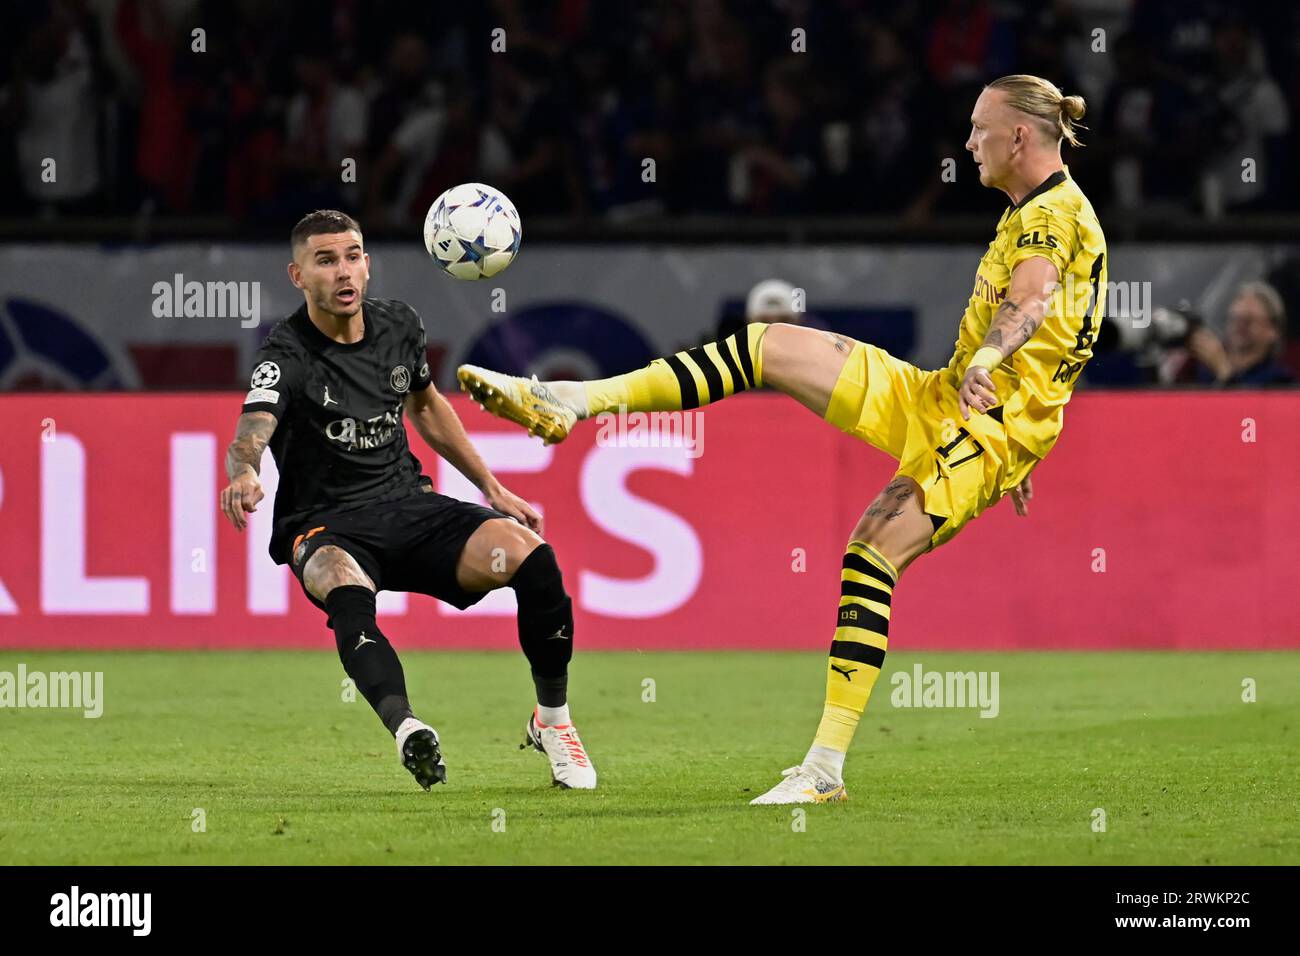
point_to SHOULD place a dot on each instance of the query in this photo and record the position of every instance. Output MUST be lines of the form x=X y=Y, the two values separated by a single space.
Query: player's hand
x=239 y=496
x=511 y=504
x=1021 y=495
x=976 y=392
x=1209 y=351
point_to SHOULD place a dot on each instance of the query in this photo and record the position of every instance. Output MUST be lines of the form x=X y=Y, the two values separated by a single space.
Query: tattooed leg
x=895 y=524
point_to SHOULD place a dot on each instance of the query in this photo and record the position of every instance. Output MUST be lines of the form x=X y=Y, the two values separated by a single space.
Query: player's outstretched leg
x=894 y=530
x=802 y=363
x=504 y=552
x=334 y=578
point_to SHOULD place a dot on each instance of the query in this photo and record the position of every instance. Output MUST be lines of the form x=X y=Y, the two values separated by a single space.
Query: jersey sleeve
x=276 y=378
x=419 y=354
x=1045 y=232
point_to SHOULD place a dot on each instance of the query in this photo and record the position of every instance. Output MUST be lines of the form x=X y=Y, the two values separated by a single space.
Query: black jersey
x=339 y=441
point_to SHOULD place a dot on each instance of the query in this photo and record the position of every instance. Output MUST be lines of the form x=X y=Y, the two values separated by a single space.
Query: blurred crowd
x=744 y=106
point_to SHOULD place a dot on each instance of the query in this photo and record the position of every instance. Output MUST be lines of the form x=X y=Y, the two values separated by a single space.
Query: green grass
x=287 y=772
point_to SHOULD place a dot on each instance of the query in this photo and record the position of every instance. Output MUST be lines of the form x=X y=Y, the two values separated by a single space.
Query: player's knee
x=331 y=567
x=538 y=576
x=896 y=524
x=518 y=542
x=778 y=344
x=495 y=552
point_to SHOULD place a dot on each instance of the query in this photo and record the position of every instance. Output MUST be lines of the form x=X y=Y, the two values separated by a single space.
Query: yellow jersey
x=1055 y=221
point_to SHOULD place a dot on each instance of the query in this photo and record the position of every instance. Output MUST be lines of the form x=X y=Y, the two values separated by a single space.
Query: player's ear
x=295 y=274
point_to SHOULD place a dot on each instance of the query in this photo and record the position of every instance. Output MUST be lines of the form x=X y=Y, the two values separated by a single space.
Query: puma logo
x=840 y=670
x=363 y=640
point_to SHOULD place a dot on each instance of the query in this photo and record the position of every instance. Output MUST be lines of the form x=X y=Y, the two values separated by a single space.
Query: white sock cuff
x=553 y=716
x=828 y=761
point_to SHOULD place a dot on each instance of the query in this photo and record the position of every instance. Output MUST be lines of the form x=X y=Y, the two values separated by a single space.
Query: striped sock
x=861 y=638
x=690 y=379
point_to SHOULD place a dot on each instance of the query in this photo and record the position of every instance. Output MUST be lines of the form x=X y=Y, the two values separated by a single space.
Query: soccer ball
x=472 y=231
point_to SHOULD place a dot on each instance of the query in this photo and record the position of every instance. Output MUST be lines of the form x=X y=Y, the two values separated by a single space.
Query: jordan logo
x=840 y=670
x=328 y=401
x=363 y=640
x=559 y=636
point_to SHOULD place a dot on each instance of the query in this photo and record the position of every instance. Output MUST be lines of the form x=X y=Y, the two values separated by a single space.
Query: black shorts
x=412 y=544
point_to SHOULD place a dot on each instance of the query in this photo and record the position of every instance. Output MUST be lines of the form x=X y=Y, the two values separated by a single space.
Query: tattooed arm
x=243 y=461
x=1021 y=314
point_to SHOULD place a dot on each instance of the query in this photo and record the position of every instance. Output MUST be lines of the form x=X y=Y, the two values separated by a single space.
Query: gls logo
x=1031 y=239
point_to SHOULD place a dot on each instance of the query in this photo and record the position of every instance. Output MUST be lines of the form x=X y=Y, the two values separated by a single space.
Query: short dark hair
x=319 y=222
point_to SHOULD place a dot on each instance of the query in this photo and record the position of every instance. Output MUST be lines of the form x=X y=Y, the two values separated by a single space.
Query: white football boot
x=571 y=768
x=524 y=401
x=417 y=748
x=802 y=785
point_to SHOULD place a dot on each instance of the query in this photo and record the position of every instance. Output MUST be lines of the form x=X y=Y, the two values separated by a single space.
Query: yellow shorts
x=962 y=466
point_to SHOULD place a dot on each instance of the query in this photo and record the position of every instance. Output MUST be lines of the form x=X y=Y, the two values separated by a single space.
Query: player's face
x=993 y=137
x=1249 y=327
x=333 y=270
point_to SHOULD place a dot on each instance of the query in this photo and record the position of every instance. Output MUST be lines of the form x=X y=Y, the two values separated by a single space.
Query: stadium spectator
x=774 y=172
x=325 y=125
x=406 y=88
x=1250 y=352
x=166 y=145
x=1143 y=133
x=960 y=44
x=544 y=179
x=892 y=153
x=449 y=140
x=1251 y=119
x=51 y=109
x=777 y=107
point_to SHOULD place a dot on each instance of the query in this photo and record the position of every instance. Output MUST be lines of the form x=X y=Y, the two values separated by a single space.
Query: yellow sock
x=858 y=649
x=688 y=379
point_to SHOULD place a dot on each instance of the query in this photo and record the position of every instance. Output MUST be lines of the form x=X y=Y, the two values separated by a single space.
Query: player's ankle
x=408 y=725
x=826 y=761
x=573 y=395
x=554 y=716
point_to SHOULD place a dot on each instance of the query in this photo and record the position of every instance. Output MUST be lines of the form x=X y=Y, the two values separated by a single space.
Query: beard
x=326 y=302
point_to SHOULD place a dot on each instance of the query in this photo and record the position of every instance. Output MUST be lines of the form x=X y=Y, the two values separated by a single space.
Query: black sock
x=366 y=654
x=545 y=624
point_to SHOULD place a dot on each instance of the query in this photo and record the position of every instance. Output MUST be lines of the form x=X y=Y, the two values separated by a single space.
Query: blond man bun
x=1057 y=114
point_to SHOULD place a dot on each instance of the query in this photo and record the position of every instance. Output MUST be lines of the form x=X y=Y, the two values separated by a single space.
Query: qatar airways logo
x=362 y=434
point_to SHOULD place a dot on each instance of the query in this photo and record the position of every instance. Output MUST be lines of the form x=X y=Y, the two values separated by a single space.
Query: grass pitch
x=262 y=749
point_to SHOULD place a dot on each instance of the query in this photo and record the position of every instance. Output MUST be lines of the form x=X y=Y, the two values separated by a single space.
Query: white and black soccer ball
x=472 y=231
